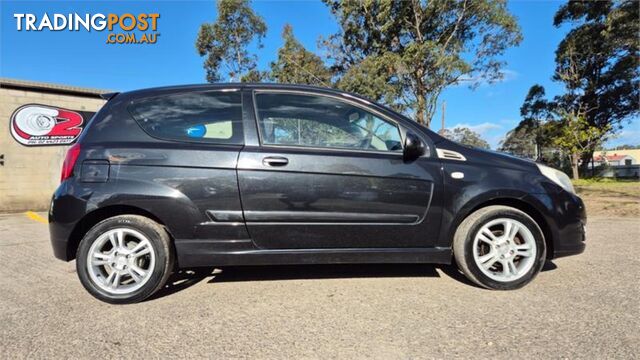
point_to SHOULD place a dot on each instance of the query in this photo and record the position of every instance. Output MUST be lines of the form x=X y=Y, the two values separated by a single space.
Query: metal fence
x=621 y=172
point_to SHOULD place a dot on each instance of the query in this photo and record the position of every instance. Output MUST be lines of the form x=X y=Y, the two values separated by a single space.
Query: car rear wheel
x=124 y=259
x=499 y=247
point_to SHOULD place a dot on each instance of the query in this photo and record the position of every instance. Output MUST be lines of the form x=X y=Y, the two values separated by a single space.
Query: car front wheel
x=499 y=247
x=124 y=259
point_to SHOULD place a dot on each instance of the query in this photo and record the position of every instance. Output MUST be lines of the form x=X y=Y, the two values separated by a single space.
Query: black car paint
x=226 y=205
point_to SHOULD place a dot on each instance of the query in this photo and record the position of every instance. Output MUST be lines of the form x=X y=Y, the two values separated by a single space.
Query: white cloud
x=507 y=75
x=491 y=132
x=509 y=122
x=482 y=128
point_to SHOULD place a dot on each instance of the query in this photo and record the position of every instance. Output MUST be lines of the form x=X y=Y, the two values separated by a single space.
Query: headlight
x=557 y=177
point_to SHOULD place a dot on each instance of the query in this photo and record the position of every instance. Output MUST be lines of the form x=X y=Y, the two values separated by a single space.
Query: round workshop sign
x=36 y=125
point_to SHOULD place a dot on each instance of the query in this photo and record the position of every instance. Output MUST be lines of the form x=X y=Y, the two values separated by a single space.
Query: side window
x=210 y=117
x=320 y=121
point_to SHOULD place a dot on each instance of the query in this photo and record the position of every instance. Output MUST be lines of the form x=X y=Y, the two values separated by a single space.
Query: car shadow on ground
x=185 y=278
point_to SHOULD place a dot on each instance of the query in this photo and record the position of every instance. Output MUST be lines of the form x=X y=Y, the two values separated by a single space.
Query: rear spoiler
x=109 y=96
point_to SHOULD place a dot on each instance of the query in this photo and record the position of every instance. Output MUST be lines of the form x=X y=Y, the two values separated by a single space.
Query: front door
x=330 y=174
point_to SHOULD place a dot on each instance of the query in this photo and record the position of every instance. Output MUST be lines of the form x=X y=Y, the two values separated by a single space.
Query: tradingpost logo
x=123 y=28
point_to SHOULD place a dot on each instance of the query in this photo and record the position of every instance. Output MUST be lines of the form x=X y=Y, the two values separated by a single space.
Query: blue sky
x=84 y=59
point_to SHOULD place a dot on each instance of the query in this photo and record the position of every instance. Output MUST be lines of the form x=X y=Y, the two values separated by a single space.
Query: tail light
x=70 y=161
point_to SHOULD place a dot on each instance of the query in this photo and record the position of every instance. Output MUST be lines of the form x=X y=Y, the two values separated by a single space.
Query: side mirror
x=413 y=147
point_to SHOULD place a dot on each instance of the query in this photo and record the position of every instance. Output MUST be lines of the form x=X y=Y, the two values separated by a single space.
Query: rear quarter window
x=208 y=117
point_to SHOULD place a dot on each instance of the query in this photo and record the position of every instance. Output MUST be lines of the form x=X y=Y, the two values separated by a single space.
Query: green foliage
x=521 y=142
x=530 y=136
x=465 y=136
x=535 y=106
x=297 y=65
x=533 y=137
x=254 y=76
x=225 y=42
x=536 y=113
x=372 y=78
x=404 y=53
x=598 y=61
x=575 y=134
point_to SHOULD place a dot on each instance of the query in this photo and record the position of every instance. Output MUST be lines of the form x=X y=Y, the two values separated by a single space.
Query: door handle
x=275 y=161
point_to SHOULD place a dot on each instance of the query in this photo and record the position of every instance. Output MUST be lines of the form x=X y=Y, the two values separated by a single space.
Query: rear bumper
x=65 y=212
x=59 y=236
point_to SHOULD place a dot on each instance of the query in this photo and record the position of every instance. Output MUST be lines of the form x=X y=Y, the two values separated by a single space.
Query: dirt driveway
x=579 y=307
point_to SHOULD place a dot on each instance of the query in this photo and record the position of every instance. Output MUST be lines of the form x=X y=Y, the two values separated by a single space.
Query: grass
x=597 y=180
x=610 y=197
x=624 y=187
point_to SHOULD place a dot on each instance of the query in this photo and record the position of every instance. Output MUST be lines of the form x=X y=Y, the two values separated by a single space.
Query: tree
x=598 y=62
x=373 y=78
x=576 y=136
x=520 y=141
x=225 y=42
x=404 y=53
x=535 y=112
x=531 y=137
x=255 y=76
x=465 y=136
x=297 y=65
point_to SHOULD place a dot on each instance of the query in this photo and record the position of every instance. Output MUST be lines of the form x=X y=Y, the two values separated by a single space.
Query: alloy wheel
x=504 y=249
x=121 y=261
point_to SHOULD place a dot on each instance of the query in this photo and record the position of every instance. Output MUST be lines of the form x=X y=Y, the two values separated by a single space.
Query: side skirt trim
x=190 y=256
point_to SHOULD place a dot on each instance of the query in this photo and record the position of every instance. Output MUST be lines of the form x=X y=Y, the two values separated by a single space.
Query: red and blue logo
x=35 y=125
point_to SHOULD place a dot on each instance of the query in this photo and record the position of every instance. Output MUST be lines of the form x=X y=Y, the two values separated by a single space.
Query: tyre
x=124 y=259
x=499 y=247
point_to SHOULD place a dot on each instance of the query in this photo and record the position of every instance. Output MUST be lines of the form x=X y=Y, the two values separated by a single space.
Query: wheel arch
x=515 y=202
x=100 y=214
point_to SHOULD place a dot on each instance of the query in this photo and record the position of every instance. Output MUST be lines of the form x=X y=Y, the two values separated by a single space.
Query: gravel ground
x=584 y=306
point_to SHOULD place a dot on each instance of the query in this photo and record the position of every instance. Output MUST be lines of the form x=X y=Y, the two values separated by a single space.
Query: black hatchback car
x=247 y=174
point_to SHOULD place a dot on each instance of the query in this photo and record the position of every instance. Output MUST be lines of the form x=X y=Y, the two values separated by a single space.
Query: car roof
x=135 y=94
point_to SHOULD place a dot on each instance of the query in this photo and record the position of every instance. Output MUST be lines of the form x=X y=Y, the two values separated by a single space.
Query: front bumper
x=572 y=242
x=566 y=217
x=572 y=227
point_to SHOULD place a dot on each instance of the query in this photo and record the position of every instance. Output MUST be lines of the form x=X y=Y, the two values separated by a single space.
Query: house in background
x=613 y=160
x=617 y=163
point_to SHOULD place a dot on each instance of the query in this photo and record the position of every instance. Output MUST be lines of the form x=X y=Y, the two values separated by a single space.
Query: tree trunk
x=586 y=157
x=420 y=118
x=574 y=165
x=538 y=140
